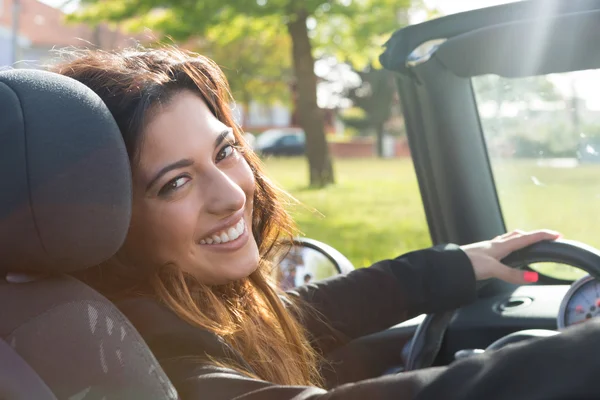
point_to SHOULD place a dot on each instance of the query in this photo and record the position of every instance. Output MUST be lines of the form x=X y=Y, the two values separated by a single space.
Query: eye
x=225 y=152
x=174 y=185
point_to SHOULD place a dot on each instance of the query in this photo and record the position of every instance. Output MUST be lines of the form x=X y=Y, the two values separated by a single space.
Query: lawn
x=374 y=210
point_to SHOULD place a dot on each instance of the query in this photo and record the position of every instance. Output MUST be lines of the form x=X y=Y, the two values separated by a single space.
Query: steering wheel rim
x=428 y=337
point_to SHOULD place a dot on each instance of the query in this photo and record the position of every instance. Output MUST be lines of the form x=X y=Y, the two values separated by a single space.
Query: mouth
x=227 y=235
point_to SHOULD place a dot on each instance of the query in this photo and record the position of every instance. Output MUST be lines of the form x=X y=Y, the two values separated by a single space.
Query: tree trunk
x=309 y=113
x=380 y=132
x=246 y=99
x=97 y=37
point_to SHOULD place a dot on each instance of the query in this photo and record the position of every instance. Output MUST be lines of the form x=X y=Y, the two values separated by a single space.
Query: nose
x=223 y=195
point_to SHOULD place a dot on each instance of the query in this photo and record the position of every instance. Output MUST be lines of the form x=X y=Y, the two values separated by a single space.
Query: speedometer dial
x=582 y=302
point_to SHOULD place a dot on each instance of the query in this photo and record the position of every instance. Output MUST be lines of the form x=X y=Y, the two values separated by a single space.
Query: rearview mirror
x=308 y=261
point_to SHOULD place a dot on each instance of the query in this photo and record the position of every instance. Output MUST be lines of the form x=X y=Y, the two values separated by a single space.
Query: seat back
x=18 y=380
x=65 y=205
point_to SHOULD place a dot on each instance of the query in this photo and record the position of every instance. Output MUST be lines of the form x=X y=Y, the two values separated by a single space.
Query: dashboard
x=481 y=323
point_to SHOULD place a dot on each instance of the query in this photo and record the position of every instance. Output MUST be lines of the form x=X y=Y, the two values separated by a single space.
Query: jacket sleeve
x=558 y=367
x=372 y=299
x=189 y=355
x=197 y=380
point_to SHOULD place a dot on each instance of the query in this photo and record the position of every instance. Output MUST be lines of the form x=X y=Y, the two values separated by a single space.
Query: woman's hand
x=486 y=256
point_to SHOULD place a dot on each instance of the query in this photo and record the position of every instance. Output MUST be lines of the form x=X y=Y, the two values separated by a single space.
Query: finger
x=515 y=276
x=510 y=234
x=519 y=241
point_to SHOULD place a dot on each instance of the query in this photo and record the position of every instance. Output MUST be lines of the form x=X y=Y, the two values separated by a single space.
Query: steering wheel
x=428 y=338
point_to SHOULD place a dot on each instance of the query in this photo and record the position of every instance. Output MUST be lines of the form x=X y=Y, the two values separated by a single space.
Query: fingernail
x=530 y=276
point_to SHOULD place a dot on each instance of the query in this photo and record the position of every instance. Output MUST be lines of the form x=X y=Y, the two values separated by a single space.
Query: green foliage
x=373 y=211
x=500 y=90
x=350 y=30
x=355 y=34
x=356 y=119
x=254 y=54
x=248 y=38
x=542 y=125
x=374 y=96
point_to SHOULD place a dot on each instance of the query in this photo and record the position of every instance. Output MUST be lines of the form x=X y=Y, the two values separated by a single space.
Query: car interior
x=435 y=64
x=65 y=205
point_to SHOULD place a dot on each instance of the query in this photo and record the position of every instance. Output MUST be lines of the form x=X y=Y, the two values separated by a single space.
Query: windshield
x=543 y=138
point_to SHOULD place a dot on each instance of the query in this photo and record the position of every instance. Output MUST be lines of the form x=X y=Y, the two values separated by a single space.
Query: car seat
x=65 y=205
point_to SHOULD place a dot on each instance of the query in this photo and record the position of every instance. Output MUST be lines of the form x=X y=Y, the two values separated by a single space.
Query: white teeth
x=233 y=234
x=227 y=236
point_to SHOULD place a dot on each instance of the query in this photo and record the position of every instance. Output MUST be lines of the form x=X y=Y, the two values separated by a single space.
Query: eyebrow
x=186 y=162
x=222 y=136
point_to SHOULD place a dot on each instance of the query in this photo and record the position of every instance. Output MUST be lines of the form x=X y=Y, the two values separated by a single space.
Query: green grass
x=563 y=199
x=374 y=210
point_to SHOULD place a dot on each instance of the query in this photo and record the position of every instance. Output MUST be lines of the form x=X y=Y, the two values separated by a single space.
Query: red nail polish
x=530 y=276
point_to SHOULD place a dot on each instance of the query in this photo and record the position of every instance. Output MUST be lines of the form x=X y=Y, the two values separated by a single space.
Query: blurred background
x=315 y=104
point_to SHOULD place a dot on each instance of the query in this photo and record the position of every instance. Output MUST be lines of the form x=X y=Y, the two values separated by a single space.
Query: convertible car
x=66 y=192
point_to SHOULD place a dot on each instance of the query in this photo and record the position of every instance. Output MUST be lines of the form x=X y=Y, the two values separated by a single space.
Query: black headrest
x=65 y=180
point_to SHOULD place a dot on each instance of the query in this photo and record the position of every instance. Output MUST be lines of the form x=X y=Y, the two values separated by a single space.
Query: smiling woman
x=197 y=155
x=194 y=273
x=204 y=221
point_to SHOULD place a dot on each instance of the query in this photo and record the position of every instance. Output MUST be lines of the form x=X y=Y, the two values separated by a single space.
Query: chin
x=230 y=272
x=227 y=268
x=242 y=272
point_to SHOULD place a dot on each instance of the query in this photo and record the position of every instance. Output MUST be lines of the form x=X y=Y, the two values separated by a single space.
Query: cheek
x=246 y=180
x=158 y=231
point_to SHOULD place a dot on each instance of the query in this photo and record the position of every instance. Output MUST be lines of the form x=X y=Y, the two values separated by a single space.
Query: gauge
x=582 y=302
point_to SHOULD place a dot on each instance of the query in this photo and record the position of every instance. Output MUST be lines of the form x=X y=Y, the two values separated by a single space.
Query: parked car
x=281 y=142
x=250 y=139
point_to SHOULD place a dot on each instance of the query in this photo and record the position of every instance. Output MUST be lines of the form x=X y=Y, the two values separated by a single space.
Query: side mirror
x=310 y=260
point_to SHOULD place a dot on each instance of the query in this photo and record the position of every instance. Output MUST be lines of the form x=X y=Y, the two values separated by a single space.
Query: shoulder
x=168 y=336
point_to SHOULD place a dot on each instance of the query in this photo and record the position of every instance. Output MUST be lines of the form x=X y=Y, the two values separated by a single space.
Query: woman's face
x=192 y=196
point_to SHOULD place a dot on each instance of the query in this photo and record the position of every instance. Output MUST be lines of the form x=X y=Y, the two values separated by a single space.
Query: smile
x=226 y=235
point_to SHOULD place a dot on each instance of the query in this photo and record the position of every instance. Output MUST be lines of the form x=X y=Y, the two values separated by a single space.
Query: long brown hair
x=248 y=314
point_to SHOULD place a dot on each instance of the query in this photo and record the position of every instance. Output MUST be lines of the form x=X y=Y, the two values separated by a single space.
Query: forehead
x=182 y=128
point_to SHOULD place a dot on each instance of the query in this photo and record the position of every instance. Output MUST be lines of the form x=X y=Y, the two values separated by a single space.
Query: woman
x=194 y=273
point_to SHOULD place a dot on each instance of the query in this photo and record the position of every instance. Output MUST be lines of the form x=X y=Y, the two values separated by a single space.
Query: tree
x=536 y=125
x=244 y=50
x=500 y=90
x=348 y=29
x=374 y=96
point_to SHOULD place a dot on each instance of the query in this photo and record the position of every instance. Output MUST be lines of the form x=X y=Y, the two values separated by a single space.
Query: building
x=42 y=28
